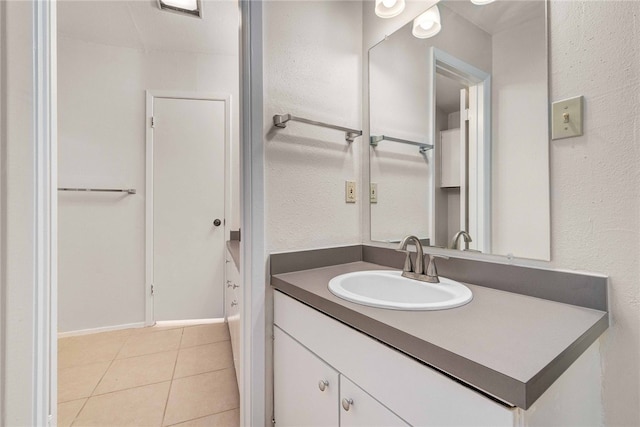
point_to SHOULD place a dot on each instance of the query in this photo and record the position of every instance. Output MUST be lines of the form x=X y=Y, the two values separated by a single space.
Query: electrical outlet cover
x=350 y=192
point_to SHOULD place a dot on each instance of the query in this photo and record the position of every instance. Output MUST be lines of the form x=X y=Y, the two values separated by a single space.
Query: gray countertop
x=507 y=345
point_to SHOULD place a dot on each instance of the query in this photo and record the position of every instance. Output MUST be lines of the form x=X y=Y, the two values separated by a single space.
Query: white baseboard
x=102 y=329
x=164 y=323
x=189 y=322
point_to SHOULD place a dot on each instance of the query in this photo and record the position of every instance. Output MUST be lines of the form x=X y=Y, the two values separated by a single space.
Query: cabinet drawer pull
x=346 y=403
x=234 y=303
x=235 y=286
x=323 y=384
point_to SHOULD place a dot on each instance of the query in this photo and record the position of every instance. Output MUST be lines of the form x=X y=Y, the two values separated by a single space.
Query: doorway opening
x=461 y=120
x=147 y=102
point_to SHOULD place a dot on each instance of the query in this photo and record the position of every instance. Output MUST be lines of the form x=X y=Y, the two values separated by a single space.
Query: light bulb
x=428 y=24
x=389 y=8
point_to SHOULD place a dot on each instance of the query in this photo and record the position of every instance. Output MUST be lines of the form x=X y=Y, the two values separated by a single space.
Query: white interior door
x=188 y=197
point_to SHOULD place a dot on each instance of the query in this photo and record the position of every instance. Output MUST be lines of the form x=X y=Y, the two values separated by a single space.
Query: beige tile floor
x=157 y=376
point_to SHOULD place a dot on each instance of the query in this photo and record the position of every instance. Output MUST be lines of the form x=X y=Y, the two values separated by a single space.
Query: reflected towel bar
x=280 y=121
x=375 y=139
x=106 y=190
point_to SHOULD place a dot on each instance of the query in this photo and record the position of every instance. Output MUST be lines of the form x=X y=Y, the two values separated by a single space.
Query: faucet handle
x=408 y=265
x=432 y=270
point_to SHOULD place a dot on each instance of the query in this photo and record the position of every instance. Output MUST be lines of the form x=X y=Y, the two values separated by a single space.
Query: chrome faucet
x=408 y=270
x=456 y=238
x=430 y=274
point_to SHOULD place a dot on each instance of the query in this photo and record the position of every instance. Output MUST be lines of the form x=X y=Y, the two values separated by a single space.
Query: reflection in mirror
x=459 y=131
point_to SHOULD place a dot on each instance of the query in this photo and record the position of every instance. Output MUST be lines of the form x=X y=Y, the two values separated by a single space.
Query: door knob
x=217 y=222
x=323 y=384
x=346 y=403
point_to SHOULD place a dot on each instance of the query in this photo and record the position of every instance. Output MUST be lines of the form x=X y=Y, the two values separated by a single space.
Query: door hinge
x=467 y=115
x=273 y=421
x=151 y=289
x=153 y=122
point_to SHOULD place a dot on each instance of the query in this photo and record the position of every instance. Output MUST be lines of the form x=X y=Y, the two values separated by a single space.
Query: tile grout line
x=202 y=373
x=205 y=416
x=207 y=343
x=166 y=403
x=100 y=380
x=129 y=388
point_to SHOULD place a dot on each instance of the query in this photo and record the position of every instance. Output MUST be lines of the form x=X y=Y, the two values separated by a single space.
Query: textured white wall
x=595 y=178
x=312 y=68
x=102 y=144
x=17 y=204
x=520 y=153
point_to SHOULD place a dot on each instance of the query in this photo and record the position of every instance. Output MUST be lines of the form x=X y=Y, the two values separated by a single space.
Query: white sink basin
x=388 y=289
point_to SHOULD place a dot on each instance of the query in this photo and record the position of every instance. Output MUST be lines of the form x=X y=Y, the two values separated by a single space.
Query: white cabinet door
x=306 y=391
x=357 y=408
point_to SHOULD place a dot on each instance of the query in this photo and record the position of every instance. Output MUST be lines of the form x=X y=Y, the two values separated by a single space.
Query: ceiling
x=498 y=16
x=140 y=24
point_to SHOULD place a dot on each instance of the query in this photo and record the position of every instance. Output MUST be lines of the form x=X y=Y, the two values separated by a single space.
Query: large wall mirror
x=459 y=130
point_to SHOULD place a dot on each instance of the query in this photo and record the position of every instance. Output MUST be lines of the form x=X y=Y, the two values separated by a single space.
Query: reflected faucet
x=430 y=274
x=456 y=238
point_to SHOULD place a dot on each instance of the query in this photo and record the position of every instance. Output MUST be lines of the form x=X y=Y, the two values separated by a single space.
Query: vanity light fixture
x=482 y=2
x=188 y=7
x=428 y=24
x=389 y=8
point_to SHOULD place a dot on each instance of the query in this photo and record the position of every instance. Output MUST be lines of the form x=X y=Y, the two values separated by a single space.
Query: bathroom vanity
x=504 y=359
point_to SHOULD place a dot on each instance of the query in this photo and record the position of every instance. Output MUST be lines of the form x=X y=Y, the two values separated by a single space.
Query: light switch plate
x=566 y=118
x=350 y=192
x=373 y=193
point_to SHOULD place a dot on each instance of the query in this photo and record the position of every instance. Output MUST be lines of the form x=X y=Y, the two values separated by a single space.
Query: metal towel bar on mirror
x=375 y=139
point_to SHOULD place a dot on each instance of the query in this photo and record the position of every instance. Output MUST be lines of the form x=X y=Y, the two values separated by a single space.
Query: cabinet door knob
x=234 y=303
x=323 y=384
x=229 y=284
x=346 y=403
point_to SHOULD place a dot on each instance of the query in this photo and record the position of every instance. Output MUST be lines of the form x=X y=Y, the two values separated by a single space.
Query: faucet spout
x=408 y=267
x=456 y=238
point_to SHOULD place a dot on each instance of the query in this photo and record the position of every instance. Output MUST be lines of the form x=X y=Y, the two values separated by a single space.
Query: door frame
x=149 y=226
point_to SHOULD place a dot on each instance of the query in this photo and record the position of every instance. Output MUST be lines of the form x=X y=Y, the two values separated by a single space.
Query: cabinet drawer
x=417 y=393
